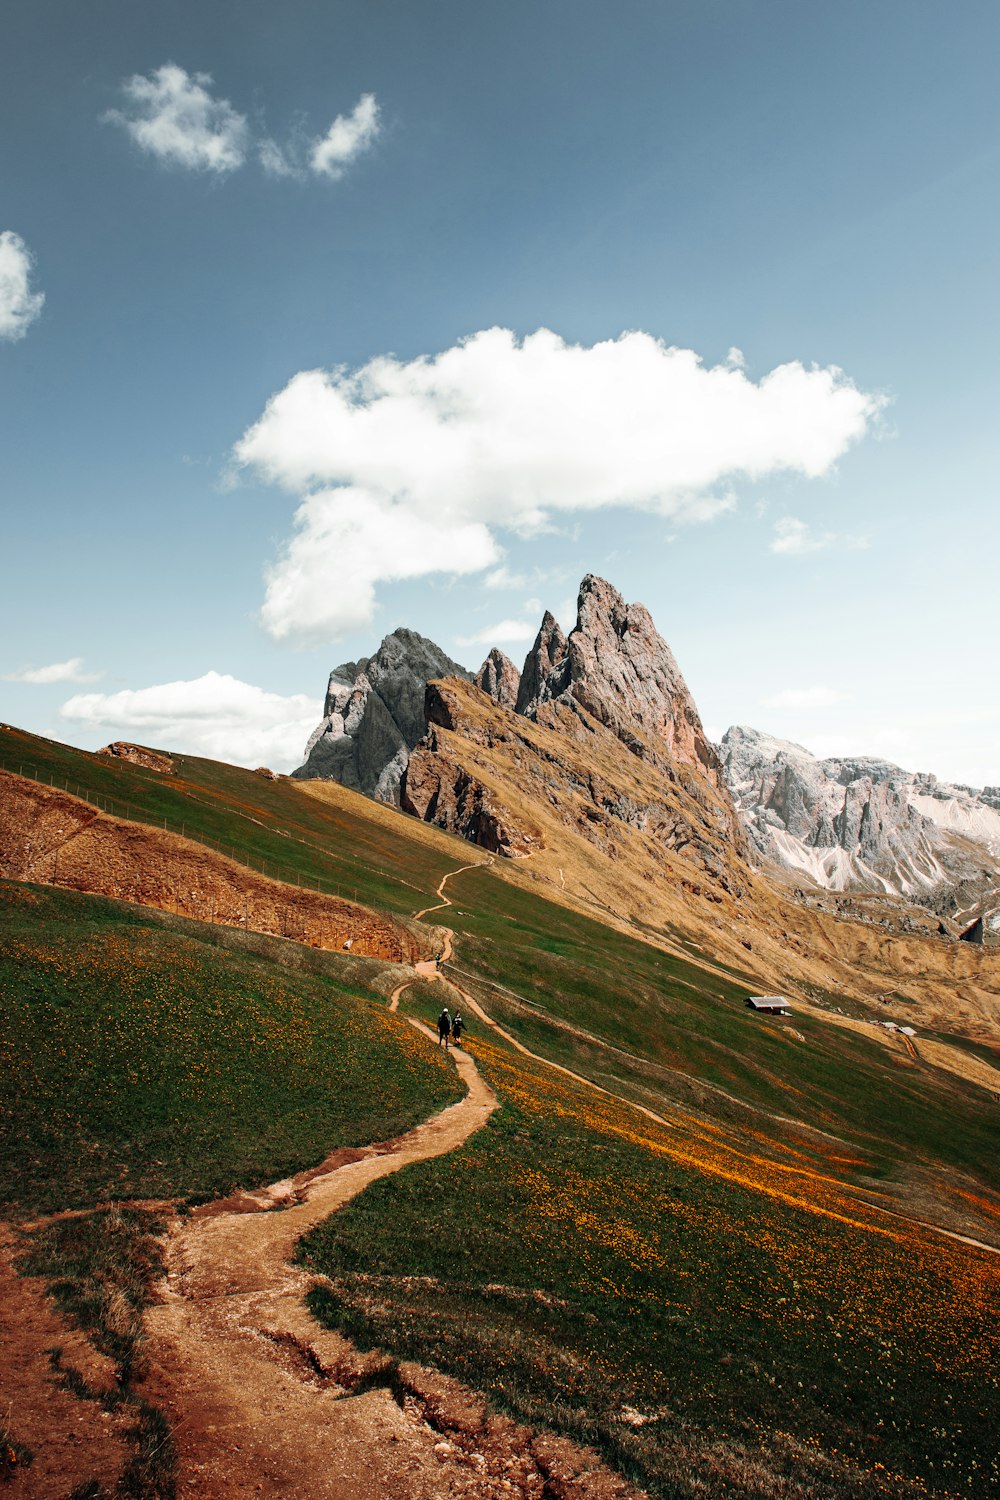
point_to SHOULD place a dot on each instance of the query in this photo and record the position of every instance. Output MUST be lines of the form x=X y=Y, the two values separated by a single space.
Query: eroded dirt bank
x=49 y=836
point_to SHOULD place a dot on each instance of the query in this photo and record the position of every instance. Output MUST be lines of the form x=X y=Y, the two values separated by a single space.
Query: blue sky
x=816 y=187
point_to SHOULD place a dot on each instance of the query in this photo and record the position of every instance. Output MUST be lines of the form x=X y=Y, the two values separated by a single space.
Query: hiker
x=457 y=1027
x=444 y=1028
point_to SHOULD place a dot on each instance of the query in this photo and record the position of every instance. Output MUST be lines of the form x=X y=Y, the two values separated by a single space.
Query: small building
x=974 y=933
x=907 y=1031
x=769 y=1005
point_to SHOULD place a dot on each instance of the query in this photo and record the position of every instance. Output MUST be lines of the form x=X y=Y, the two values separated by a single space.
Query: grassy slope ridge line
x=706 y=1334
x=145 y=1064
x=49 y=834
x=318 y=834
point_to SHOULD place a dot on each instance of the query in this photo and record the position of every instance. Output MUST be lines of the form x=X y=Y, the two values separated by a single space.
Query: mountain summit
x=516 y=761
x=617 y=668
x=373 y=715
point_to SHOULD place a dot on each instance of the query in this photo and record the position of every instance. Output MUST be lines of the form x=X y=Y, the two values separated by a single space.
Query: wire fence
x=116 y=807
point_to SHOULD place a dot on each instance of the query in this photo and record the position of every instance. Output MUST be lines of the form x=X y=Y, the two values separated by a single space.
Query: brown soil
x=49 y=836
x=259 y=1395
x=73 y=1441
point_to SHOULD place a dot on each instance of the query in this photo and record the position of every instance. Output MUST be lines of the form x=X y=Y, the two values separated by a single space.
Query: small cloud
x=172 y=115
x=503 y=630
x=503 y=578
x=810 y=697
x=59 y=671
x=793 y=538
x=19 y=305
x=214 y=715
x=276 y=161
x=347 y=138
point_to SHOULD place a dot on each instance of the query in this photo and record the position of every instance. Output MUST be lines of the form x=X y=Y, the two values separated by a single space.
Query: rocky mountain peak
x=499 y=678
x=545 y=657
x=374 y=715
x=617 y=667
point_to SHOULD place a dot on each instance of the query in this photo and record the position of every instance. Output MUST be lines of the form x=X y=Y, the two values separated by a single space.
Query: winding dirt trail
x=478 y=864
x=247 y=1376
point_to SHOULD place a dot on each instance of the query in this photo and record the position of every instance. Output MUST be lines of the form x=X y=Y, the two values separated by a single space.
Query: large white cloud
x=347 y=138
x=497 y=433
x=172 y=115
x=19 y=305
x=214 y=715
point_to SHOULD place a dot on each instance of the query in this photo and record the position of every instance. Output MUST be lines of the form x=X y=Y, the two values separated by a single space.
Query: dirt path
x=446 y=900
x=248 y=1377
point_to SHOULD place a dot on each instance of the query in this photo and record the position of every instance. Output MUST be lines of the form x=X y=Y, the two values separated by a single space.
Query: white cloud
x=276 y=160
x=59 y=671
x=510 y=631
x=503 y=578
x=497 y=433
x=19 y=305
x=810 y=697
x=348 y=539
x=214 y=715
x=793 y=538
x=172 y=115
x=347 y=138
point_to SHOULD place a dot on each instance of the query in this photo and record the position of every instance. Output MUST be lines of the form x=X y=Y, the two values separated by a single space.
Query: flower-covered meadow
x=718 y=1321
x=138 y=1063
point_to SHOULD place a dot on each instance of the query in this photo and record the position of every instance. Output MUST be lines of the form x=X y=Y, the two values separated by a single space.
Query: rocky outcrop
x=619 y=670
x=374 y=715
x=138 y=755
x=858 y=823
x=439 y=789
x=499 y=679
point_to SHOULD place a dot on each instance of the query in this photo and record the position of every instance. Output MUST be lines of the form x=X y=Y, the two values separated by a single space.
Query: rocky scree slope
x=373 y=715
x=856 y=824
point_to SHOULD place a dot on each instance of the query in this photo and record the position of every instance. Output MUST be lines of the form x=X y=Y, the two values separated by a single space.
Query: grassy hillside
x=715 y=1327
x=141 y=1062
x=658 y=1026
x=273 y=825
x=714 y=1303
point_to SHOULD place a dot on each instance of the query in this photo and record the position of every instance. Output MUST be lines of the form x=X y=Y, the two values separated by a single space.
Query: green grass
x=694 y=1025
x=272 y=825
x=142 y=1063
x=577 y=1265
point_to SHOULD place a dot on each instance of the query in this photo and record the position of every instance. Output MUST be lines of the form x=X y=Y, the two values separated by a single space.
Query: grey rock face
x=857 y=823
x=499 y=679
x=374 y=715
x=616 y=667
x=541 y=664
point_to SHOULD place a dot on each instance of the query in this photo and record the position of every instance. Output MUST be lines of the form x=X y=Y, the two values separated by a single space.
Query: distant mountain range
x=847 y=825
x=860 y=824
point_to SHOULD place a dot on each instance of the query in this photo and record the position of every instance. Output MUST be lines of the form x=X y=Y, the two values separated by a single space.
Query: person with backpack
x=457 y=1027
x=444 y=1028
